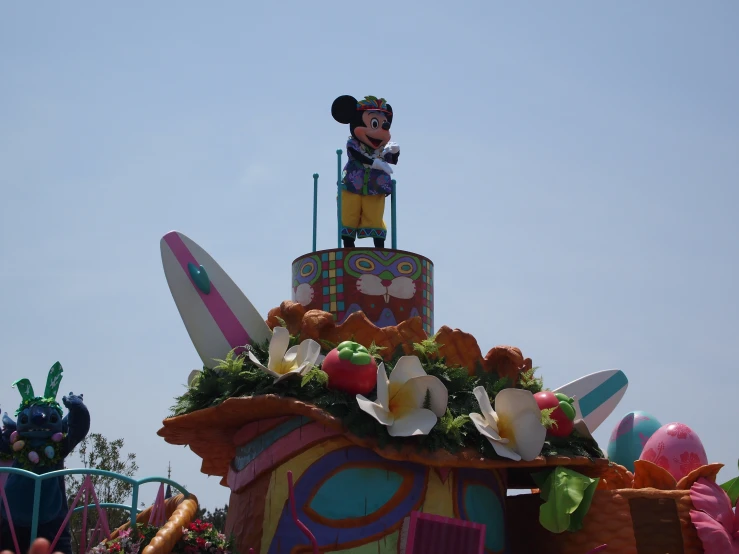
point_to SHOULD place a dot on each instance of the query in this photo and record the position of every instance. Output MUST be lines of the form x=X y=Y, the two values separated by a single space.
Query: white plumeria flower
x=514 y=428
x=400 y=399
x=282 y=362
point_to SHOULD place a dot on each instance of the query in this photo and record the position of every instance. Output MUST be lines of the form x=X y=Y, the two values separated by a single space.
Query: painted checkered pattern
x=427 y=279
x=332 y=283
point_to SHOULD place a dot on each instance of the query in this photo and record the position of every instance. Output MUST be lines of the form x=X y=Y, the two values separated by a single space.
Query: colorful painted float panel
x=351 y=499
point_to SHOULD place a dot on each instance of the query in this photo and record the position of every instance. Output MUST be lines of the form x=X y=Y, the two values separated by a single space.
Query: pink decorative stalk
x=83 y=536
x=10 y=518
x=600 y=548
x=294 y=513
x=157 y=517
x=102 y=515
x=69 y=515
x=96 y=537
x=89 y=490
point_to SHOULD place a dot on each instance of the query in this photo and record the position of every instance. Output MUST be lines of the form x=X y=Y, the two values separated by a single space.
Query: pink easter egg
x=13 y=437
x=33 y=456
x=677 y=448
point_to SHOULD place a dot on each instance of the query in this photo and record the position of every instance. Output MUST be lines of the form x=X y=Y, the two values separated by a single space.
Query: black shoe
x=348 y=242
x=379 y=243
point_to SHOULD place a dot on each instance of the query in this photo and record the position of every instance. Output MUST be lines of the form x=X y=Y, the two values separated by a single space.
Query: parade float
x=344 y=421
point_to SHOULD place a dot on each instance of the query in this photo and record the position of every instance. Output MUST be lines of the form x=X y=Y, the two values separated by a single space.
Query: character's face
x=39 y=422
x=376 y=130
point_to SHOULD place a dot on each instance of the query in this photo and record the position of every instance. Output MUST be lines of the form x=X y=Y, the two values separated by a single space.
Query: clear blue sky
x=571 y=170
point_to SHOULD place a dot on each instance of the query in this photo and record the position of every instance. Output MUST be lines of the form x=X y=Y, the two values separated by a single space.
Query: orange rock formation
x=457 y=347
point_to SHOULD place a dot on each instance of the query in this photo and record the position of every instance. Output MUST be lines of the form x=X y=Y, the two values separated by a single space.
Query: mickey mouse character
x=366 y=177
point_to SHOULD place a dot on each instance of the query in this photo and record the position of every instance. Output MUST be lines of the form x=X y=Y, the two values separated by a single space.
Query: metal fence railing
x=40 y=478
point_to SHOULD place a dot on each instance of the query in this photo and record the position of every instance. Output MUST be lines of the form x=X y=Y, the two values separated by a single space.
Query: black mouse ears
x=344 y=109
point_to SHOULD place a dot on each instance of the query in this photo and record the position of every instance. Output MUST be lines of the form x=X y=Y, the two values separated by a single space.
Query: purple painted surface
x=222 y=314
x=288 y=536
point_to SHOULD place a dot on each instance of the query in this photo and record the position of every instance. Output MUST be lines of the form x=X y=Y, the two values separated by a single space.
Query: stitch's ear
x=25 y=388
x=53 y=380
x=65 y=424
x=344 y=109
x=390 y=115
x=9 y=424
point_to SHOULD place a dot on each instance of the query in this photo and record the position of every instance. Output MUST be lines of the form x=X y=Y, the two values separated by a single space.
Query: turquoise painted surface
x=600 y=395
x=355 y=492
x=483 y=506
x=199 y=277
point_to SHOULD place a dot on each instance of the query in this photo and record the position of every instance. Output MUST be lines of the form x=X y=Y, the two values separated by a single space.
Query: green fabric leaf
x=732 y=489
x=25 y=388
x=579 y=514
x=53 y=380
x=567 y=496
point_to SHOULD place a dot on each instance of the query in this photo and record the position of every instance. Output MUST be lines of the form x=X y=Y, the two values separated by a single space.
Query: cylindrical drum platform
x=389 y=286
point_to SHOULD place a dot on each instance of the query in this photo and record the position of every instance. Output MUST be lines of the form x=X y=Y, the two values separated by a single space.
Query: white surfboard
x=596 y=395
x=217 y=315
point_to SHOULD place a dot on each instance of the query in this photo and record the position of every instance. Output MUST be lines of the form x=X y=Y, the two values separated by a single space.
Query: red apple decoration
x=564 y=414
x=350 y=368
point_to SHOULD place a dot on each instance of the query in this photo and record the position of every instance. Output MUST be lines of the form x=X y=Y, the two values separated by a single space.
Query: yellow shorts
x=361 y=216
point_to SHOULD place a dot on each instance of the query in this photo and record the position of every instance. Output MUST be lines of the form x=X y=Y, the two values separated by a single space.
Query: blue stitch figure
x=40 y=441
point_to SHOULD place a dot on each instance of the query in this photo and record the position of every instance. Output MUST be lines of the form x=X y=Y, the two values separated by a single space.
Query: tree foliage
x=217 y=517
x=97 y=452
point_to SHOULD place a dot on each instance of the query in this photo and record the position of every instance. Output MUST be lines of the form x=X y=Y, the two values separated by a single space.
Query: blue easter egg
x=49 y=451
x=629 y=437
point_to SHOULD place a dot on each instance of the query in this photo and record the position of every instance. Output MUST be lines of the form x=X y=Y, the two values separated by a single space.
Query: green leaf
x=528 y=381
x=427 y=348
x=567 y=496
x=281 y=322
x=546 y=417
x=427 y=400
x=732 y=489
x=375 y=351
x=231 y=364
x=320 y=376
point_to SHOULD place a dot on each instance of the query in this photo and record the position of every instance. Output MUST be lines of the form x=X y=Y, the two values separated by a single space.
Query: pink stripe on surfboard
x=278 y=452
x=226 y=320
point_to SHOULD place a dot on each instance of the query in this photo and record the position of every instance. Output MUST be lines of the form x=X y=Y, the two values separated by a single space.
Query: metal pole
x=134 y=503
x=338 y=192
x=392 y=215
x=36 y=507
x=315 y=208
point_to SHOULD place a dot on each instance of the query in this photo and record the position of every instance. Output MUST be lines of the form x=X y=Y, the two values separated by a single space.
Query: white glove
x=391 y=147
x=382 y=165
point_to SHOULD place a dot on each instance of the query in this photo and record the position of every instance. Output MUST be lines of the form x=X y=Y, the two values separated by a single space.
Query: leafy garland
x=21 y=456
x=237 y=376
x=39 y=401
